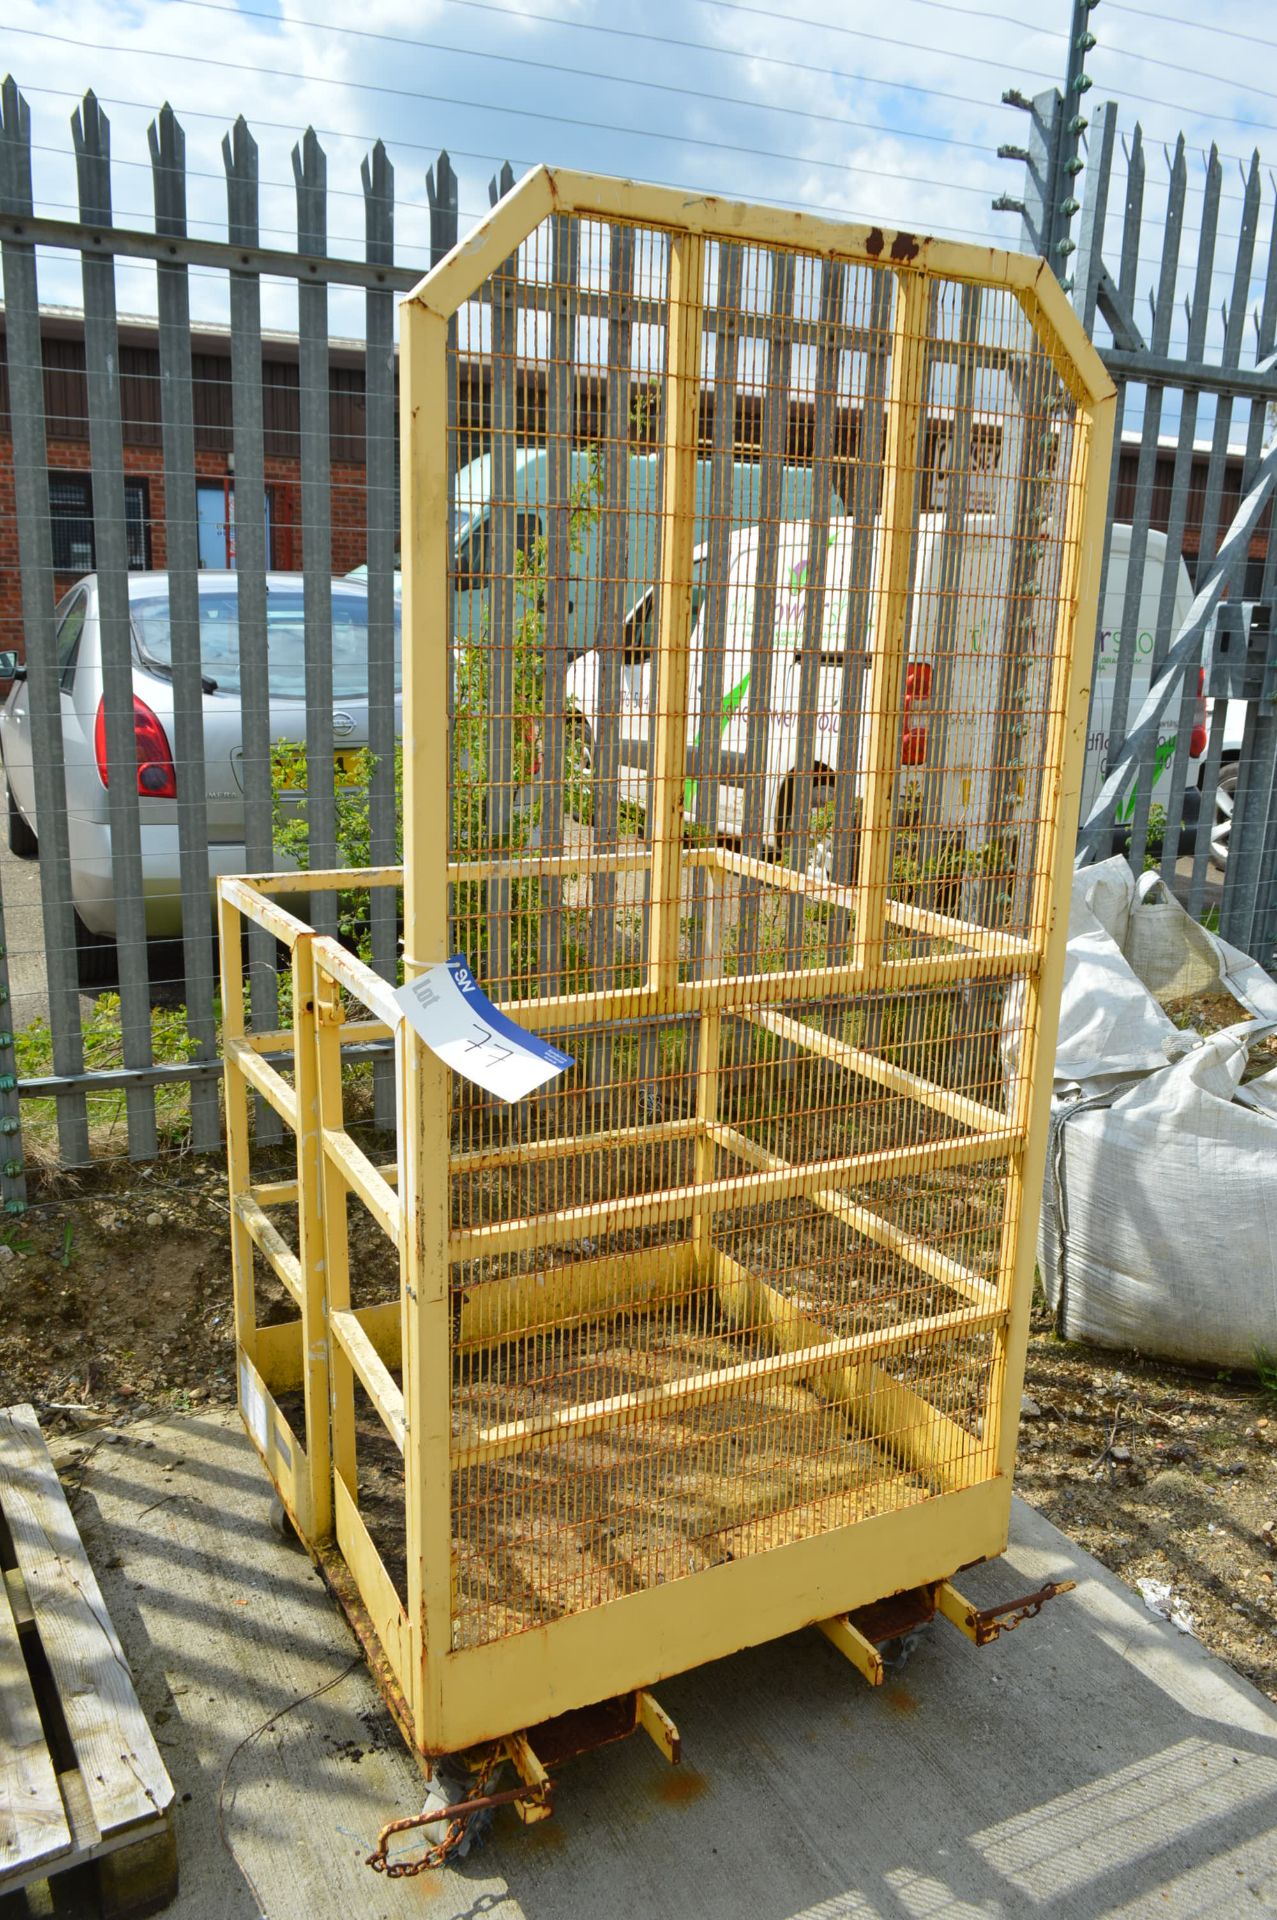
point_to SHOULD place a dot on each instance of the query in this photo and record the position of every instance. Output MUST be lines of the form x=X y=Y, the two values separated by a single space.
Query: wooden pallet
x=81 y=1779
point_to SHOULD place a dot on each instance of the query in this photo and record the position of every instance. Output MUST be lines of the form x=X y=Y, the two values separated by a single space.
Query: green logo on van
x=1162 y=759
x=732 y=702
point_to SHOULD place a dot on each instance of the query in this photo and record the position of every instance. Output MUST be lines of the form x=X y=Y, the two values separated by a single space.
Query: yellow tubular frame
x=448 y=1697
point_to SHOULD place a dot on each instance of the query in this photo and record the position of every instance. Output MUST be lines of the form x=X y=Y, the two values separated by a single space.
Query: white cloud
x=901 y=127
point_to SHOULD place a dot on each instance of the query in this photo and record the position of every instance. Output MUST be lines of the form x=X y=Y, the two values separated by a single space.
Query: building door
x=215 y=505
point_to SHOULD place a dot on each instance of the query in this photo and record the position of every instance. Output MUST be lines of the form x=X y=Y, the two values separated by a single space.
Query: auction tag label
x=461 y=1026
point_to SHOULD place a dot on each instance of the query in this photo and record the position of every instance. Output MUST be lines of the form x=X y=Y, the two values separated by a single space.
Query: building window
x=71 y=514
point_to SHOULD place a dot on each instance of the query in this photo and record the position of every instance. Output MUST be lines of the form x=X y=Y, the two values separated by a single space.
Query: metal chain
x=457 y=1816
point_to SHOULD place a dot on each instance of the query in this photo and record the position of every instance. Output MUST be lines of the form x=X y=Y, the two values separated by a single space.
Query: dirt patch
x=1167 y=1477
x=115 y=1301
x=115 y=1295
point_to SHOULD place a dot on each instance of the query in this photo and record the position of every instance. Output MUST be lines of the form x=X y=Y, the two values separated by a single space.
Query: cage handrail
x=744 y=1192
x=497 y=1443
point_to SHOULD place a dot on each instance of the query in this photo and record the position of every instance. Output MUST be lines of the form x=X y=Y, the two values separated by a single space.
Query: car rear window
x=285 y=640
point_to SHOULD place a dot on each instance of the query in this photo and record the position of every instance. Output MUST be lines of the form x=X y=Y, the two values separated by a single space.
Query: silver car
x=158 y=777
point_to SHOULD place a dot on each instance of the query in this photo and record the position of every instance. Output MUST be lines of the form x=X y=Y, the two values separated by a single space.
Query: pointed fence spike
x=91 y=136
x=16 y=195
x=239 y=156
x=167 y=143
x=441 y=192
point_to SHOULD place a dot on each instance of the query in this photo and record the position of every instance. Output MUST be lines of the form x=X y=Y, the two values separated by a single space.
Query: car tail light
x=156 y=774
x=1197 y=739
x=913 y=739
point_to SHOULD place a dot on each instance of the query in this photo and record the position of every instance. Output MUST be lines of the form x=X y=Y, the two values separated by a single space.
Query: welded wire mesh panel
x=758 y=671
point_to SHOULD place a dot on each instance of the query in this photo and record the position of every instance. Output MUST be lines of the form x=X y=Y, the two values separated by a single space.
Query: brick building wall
x=66 y=418
x=68 y=446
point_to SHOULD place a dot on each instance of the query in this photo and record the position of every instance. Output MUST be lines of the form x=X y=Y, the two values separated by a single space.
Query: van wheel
x=813 y=843
x=1222 y=825
x=22 y=841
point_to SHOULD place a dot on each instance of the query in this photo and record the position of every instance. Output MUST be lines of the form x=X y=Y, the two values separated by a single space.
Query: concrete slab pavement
x=1094 y=1763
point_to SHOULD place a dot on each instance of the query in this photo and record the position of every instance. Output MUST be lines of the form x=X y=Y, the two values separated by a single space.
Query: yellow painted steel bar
x=878 y=1407
x=422 y=1080
x=908 y=1425
x=906 y=403
x=668 y=722
x=729 y=991
x=521 y=866
x=879 y=1070
x=545 y=866
x=1068 y=708
x=263 y=1079
x=274 y=1193
x=254 y=905
x=353 y=1033
x=238 y=1158
x=517 y=1436
x=563 y=1146
x=742 y=1193
x=851 y=1643
x=494 y=1312
x=946 y=926
x=544 y=190
x=283 y=1193
x=376 y=1589
x=317 y=1516
x=377 y=995
x=363 y=1178
x=451 y=282
x=659 y=1727
x=640 y=1638
x=321 y=880
x=964 y=934
x=919 y=1253
x=327 y=1200
x=271 y=1244
x=371 y=1372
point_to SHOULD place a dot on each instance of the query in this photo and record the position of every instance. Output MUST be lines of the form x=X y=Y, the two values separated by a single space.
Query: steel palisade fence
x=1249 y=912
x=1220 y=632
x=245 y=262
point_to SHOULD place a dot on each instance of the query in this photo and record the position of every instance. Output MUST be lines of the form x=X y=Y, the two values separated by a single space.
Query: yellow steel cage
x=743 y=558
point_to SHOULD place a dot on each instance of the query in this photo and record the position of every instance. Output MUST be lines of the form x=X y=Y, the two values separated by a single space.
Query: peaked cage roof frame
x=544 y=191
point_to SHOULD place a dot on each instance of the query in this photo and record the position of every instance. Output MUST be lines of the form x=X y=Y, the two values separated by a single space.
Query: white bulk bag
x=1159 y=1215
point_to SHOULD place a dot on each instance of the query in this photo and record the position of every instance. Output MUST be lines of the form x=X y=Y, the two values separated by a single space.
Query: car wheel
x=1222 y=824
x=95 y=957
x=814 y=843
x=22 y=842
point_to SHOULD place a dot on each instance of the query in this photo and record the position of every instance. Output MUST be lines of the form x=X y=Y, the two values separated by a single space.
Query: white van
x=529 y=482
x=973 y=651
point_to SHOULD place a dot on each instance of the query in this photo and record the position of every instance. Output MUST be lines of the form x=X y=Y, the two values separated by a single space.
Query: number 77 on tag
x=462 y=1028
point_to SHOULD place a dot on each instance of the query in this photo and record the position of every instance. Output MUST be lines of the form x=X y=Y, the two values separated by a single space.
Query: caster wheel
x=898 y=1652
x=282 y=1526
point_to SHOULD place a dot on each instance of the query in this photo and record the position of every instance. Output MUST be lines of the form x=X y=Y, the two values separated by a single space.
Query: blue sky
x=800 y=103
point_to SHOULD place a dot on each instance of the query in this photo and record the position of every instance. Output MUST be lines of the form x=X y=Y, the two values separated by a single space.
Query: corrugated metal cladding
x=67 y=415
x=66 y=411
